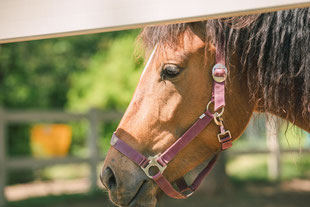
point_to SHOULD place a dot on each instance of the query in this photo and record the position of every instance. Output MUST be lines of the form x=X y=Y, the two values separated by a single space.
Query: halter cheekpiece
x=159 y=162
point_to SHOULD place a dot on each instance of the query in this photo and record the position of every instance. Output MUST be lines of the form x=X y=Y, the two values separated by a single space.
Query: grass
x=68 y=171
x=59 y=200
x=241 y=169
x=254 y=167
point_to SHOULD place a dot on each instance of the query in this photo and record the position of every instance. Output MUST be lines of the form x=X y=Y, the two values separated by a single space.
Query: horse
x=264 y=67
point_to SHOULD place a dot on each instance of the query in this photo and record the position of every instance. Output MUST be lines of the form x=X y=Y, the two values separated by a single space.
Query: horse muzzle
x=127 y=185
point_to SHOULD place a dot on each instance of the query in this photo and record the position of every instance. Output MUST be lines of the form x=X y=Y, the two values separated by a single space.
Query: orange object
x=50 y=140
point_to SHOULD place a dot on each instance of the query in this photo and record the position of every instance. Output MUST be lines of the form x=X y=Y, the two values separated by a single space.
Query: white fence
x=94 y=117
x=273 y=150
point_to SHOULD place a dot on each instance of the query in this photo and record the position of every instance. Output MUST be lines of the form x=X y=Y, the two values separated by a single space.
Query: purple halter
x=160 y=161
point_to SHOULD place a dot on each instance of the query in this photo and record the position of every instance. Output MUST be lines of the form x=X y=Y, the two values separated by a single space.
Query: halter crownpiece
x=160 y=162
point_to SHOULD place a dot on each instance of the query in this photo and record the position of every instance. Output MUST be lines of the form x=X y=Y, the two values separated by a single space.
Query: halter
x=159 y=162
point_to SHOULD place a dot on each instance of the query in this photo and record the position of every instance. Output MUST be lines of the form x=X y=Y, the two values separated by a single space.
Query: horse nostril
x=108 y=179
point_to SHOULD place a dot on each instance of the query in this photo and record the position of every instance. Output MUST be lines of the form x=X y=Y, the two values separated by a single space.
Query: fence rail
x=55 y=116
x=94 y=117
x=31 y=163
x=267 y=151
x=76 y=17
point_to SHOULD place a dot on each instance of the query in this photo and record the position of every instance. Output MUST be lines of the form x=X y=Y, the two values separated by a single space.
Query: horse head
x=267 y=71
x=173 y=91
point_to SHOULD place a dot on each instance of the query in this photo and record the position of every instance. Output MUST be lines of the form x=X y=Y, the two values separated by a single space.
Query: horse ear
x=198 y=29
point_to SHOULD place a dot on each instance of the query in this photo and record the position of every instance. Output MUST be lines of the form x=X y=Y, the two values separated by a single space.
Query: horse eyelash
x=163 y=77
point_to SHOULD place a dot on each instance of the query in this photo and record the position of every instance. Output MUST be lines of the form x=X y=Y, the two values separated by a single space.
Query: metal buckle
x=153 y=163
x=227 y=132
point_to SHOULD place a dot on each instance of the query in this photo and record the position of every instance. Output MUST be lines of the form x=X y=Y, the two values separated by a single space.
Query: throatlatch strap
x=184 y=190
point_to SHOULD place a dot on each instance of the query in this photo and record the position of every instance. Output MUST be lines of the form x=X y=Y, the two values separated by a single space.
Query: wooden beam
x=41 y=116
x=36 y=19
x=92 y=143
x=33 y=163
x=54 y=116
x=274 y=158
x=302 y=151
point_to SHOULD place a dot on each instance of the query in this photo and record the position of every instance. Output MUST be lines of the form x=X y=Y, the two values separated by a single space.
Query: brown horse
x=268 y=58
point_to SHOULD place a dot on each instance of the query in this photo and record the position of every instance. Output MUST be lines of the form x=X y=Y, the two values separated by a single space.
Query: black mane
x=274 y=51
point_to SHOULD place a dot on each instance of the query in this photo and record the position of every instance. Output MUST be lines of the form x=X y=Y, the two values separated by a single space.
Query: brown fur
x=273 y=51
x=162 y=109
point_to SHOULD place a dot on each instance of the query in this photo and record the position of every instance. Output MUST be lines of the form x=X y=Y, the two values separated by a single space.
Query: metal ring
x=217 y=78
x=221 y=113
x=208 y=105
x=215 y=113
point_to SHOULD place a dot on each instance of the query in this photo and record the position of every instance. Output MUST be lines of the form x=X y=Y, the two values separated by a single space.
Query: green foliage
x=37 y=74
x=65 y=199
x=106 y=131
x=254 y=167
x=108 y=83
x=63 y=74
x=21 y=146
x=110 y=79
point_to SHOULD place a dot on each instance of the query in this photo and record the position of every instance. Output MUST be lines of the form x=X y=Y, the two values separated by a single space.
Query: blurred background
x=60 y=101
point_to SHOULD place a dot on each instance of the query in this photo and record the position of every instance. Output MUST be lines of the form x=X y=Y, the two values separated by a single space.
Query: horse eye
x=170 y=71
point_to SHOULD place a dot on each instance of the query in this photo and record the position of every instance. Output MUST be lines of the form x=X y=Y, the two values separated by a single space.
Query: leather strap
x=186 y=138
x=128 y=151
x=219 y=87
x=184 y=190
x=219 y=95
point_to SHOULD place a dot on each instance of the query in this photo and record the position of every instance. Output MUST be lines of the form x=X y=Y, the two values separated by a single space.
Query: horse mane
x=274 y=51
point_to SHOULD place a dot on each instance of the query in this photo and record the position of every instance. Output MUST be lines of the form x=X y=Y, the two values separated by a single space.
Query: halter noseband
x=160 y=161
